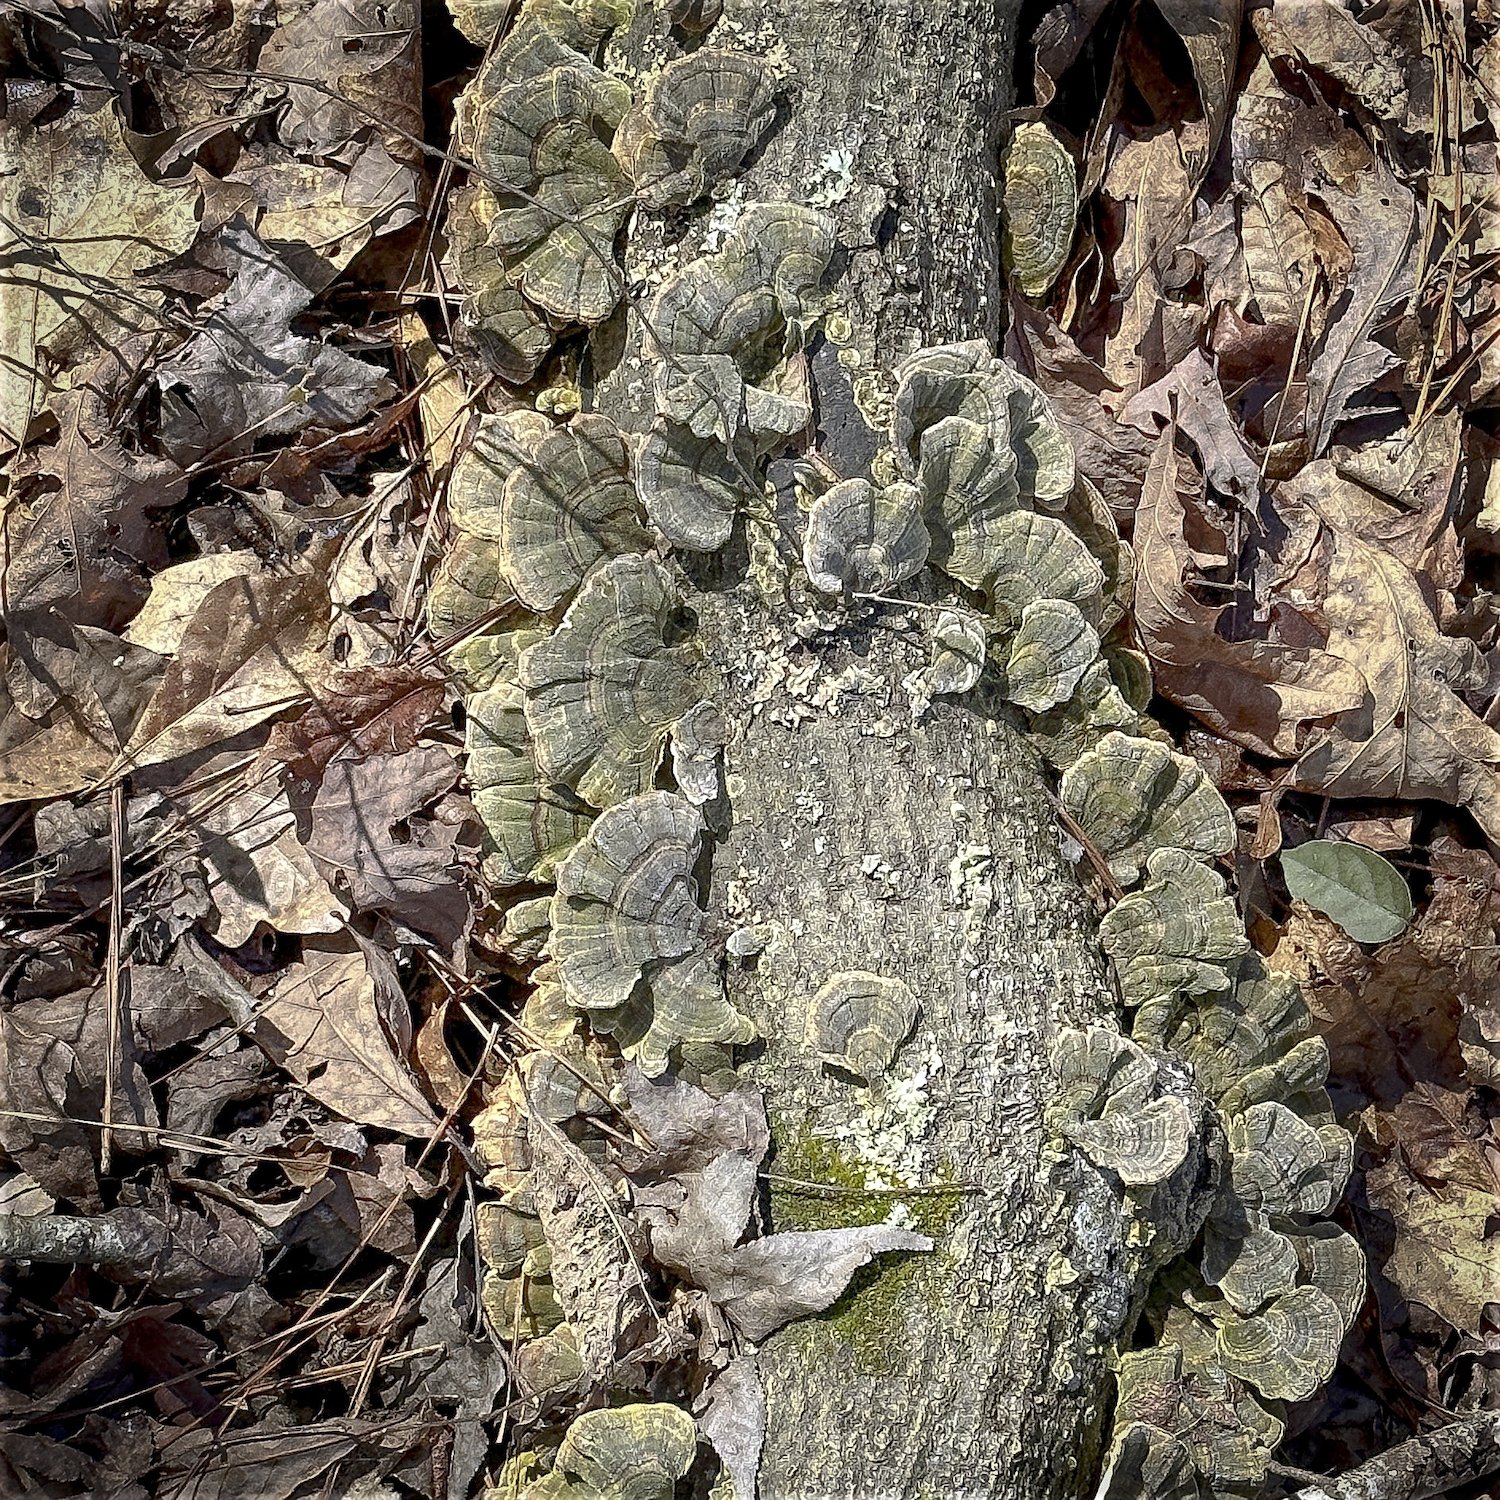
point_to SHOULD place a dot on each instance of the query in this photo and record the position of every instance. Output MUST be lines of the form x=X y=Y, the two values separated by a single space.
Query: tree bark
x=857 y=838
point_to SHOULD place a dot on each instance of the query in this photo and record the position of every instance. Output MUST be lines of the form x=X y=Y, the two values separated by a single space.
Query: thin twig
x=112 y=988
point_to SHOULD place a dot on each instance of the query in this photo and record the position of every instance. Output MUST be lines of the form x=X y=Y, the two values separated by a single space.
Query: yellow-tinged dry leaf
x=1440 y=1188
x=258 y=870
x=250 y=650
x=445 y=402
x=345 y=1031
x=78 y=218
x=1416 y=737
x=320 y=217
x=176 y=593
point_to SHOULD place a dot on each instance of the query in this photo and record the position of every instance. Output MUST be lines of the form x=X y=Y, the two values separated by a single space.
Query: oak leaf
x=1257 y=693
x=367 y=837
x=247 y=376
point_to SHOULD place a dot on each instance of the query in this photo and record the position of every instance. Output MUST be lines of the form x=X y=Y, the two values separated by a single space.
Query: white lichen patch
x=729 y=204
x=750 y=31
x=889 y=1128
x=832 y=179
x=971 y=886
x=854 y=679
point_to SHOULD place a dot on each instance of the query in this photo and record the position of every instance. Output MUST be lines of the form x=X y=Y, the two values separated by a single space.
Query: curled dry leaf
x=256 y=865
x=80 y=536
x=1415 y=736
x=1258 y=693
x=1210 y=30
x=59 y=742
x=697 y=1210
x=1377 y=215
x=1439 y=1186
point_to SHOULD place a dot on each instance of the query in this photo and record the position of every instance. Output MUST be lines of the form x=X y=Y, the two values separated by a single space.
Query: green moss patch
x=869 y=1316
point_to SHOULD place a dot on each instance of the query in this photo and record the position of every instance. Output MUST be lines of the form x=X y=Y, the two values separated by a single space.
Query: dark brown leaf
x=1257 y=693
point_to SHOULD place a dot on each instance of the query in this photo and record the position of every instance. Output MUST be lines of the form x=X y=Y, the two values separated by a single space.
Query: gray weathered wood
x=925 y=851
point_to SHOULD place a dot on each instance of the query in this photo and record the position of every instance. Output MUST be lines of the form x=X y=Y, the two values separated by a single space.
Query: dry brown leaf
x=1377 y=216
x=1399 y=492
x=1257 y=693
x=359 y=58
x=1440 y=1187
x=356 y=816
x=52 y=1057
x=367 y=711
x=1326 y=37
x=1280 y=254
x=1191 y=394
x=1148 y=187
x=249 y=651
x=246 y=375
x=445 y=403
x=1058 y=39
x=176 y=593
x=1210 y=30
x=80 y=538
x=344 y=1033
x=696 y=1197
x=258 y=870
x=321 y=216
x=1415 y=737
x=68 y=710
x=1392 y=1017
x=594 y=1266
x=80 y=219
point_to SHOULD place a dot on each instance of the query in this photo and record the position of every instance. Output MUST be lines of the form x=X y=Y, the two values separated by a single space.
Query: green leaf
x=1362 y=892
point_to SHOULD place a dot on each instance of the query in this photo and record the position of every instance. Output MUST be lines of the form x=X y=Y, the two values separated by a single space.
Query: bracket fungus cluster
x=553 y=500
x=603 y=690
x=561 y=152
x=1038 y=207
x=636 y=1452
x=859 y=1021
x=533 y=245
x=863 y=537
x=1109 y=1103
x=1133 y=796
x=721 y=329
x=694 y=124
x=584 y=704
x=630 y=938
x=1275 y=1286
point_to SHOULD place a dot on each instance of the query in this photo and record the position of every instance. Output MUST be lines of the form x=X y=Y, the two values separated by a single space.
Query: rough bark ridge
x=923 y=851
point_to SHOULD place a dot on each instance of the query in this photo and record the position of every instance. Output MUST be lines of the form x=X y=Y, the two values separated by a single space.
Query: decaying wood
x=926 y=852
x=1461 y=1453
